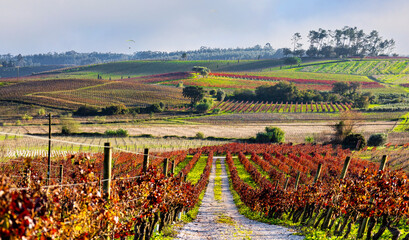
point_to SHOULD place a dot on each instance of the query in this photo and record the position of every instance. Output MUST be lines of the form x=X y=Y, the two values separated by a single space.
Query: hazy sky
x=41 y=26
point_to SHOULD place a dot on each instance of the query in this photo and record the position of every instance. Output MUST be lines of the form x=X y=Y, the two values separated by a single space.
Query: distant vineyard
x=264 y=107
x=296 y=81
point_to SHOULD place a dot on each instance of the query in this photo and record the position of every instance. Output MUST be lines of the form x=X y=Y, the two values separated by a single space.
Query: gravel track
x=206 y=225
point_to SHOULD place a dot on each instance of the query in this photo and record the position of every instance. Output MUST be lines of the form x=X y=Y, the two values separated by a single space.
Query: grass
x=243 y=174
x=194 y=175
x=218 y=182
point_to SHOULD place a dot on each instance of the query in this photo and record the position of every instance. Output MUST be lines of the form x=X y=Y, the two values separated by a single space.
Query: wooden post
x=165 y=167
x=172 y=166
x=107 y=168
x=383 y=163
x=297 y=180
x=61 y=173
x=286 y=183
x=317 y=175
x=276 y=185
x=345 y=169
x=49 y=149
x=145 y=160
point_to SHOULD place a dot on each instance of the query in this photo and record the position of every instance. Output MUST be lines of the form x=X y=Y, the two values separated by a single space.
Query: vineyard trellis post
x=61 y=173
x=286 y=183
x=297 y=180
x=145 y=160
x=172 y=166
x=345 y=169
x=49 y=149
x=107 y=168
x=165 y=167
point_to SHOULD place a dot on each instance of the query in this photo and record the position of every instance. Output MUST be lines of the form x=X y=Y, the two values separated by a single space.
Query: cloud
x=166 y=25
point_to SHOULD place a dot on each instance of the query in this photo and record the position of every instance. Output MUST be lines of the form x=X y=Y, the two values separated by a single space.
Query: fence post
x=61 y=173
x=383 y=163
x=172 y=166
x=286 y=183
x=107 y=168
x=317 y=175
x=297 y=180
x=346 y=165
x=165 y=167
x=49 y=149
x=145 y=160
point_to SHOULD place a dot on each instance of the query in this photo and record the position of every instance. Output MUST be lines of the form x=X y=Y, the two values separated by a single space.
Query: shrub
x=199 y=135
x=115 y=110
x=309 y=139
x=117 y=133
x=86 y=111
x=263 y=137
x=68 y=125
x=41 y=112
x=212 y=92
x=276 y=134
x=26 y=117
x=377 y=139
x=354 y=142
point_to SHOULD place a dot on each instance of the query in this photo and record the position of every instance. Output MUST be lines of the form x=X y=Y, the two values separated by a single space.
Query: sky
x=42 y=26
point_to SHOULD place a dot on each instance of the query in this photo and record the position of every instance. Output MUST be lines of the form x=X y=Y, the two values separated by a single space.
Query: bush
x=263 y=137
x=117 y=133
x=354 y=142
x=199 y=135
x=378 y=139
x=277 y=135
x=271 y=135
x=68 y=125
x=41 y=112
x=86 y=111
x=115 y=110
x=309 y=139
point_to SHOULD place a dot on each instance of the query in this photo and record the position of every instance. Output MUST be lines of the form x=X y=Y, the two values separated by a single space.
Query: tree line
x=345 y=42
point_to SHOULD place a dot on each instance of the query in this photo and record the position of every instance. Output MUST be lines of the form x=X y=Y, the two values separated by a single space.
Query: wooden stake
x=61 y=173
x=345 y=169
x=317 y=175
x=107 y=168
x=145 y=160
x=383 y=163
x=49 y=149
x=165 y=167
x=297 y=180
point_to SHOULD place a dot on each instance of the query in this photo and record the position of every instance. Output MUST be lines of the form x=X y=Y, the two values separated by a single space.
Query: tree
x=184 y=56
x=294 y=40
x=292 y=61
x=195 y=93
x=204 y=71
x=340 y=88
x=281 y=92
x=286 y=52
x=220 y=95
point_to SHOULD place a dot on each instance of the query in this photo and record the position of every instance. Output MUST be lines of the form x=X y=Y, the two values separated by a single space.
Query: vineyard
x=264 y=107
x=310 y=185
x=364 y=67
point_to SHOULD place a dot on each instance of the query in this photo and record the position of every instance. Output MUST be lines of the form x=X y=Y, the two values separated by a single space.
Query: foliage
x=204 y=71
x=292 y=60
x=220 y=95
x=271 y=135
x=354 y=141
x=309 y=139
x=41 y=112
x=377 y=139
x=199 y=135
x=204 y=105
x=195 y=93
x=86 y=111
x=114 y=110
x=117 y=133
x=69 y=125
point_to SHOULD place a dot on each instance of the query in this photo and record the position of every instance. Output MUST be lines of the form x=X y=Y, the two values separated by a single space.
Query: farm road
x=207 y=224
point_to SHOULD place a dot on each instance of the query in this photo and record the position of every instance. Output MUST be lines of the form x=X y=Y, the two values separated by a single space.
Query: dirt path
x=208 y=225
